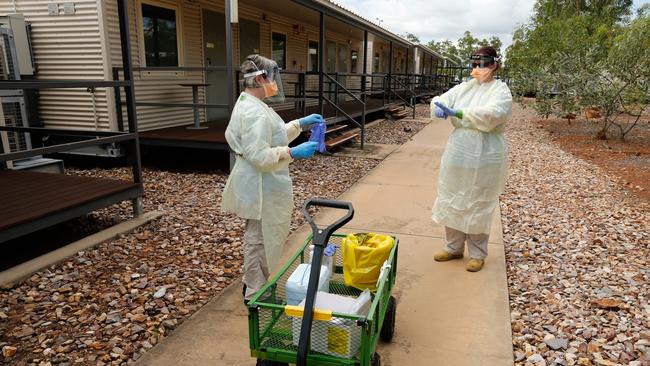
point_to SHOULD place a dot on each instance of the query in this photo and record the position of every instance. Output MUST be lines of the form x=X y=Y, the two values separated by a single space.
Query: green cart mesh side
x=339 y=337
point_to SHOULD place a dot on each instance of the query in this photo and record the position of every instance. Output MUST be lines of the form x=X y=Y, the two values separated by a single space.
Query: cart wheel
x=388 y=328
x=270 y=363
x=375 y=360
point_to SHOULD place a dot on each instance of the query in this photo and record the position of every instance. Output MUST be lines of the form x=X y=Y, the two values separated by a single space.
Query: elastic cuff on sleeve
x=459 y=114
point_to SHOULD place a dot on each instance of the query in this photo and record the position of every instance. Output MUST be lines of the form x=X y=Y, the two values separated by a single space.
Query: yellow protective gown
x=259 y=186
x=474 y=165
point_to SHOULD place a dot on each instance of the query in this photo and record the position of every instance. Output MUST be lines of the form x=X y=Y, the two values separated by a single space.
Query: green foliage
x=411 y=37
x=583 y=54
x=466 y=44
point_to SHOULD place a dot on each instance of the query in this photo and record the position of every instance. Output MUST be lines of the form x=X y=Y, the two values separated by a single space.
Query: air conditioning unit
x=21 y=39
x=13 y=112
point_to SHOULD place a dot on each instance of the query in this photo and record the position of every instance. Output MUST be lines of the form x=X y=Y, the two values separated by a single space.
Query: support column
x=229 y=55
x=134 y=149
x=321 y=61
x=363 y=87
x=230 y=80
x=390 y=70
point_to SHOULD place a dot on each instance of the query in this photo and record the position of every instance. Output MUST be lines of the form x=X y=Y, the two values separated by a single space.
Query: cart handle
x=321 y=236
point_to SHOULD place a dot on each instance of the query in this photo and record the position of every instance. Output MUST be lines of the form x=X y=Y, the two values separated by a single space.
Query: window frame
x=179 y=37
x=286 y=39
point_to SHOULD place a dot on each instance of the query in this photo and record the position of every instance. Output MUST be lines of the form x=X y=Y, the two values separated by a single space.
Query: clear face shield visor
x=271 y=82
x=481 y=61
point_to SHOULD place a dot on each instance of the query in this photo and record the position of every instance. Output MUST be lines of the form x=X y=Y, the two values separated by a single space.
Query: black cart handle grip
x=321 y=236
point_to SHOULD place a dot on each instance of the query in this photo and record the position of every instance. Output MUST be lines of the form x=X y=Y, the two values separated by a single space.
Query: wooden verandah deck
x=213 y=137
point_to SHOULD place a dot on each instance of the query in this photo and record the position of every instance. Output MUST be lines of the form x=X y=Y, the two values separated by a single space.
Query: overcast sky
x=448 y=19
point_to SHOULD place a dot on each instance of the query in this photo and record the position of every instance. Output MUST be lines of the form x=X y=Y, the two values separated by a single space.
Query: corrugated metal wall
x=161 y=87
x=151 y=88
x=66 y=47
x=86 y=45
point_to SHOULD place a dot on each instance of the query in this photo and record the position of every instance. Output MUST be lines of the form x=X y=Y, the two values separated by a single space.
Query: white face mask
x=482 y=74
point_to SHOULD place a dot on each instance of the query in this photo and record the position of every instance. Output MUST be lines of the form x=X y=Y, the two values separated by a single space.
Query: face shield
x=481 y=61
x=271 y=82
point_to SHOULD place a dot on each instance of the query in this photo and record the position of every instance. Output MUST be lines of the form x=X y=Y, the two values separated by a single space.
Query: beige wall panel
x=66 y=47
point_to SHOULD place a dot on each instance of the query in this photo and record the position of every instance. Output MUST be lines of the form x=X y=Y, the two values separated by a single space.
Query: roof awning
x=335 y=11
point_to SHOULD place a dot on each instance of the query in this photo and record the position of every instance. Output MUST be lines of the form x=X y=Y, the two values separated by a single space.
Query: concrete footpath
x=445 y=315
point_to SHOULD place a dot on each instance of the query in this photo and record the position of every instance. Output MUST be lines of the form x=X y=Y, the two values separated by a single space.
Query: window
x=354 y=57
x=159 y=29
x=280 y=49
x=312 y=62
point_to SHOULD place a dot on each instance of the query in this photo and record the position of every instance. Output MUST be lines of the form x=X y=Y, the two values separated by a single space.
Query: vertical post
x=363 y=87
x=390 y=71
x=118 y=101
x=321 y=61
x=409 y=86
x=195 y=101
x=123 y=11
x=336 y=92
x=229 y=67
x=303 y=92
x=431 y=87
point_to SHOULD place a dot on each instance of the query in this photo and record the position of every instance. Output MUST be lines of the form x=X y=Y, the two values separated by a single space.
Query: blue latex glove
x=448 y=111
x=440 y=113
x=330 y=249
x=318 y=135
x=310 y=120
x=304 y=150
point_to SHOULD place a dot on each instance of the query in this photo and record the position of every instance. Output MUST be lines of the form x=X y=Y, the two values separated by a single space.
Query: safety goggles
x=481 y=61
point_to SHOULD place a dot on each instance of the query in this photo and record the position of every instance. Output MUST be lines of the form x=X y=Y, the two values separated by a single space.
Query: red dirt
x=629 y=160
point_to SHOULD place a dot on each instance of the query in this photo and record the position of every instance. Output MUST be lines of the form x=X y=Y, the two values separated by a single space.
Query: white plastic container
x=337 y=337
x=296 y=287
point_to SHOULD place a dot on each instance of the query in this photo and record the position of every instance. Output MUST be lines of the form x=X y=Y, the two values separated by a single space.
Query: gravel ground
x=110 y=304
x=577 y=249
x=399 y=131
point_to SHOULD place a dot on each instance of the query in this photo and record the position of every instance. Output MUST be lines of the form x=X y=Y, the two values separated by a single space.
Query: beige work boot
x=446 y=256
x=474 y=265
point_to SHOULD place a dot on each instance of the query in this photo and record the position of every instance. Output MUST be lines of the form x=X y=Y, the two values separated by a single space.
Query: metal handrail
x=59 y=84
x=342 y=111
x=413 y=95
x=175 y=68
x=338 y=108
x=58 y=131
x=344 y=88
x=65 y=147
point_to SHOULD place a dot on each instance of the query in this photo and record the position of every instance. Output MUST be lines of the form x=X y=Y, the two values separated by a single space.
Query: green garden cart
x=278 y=335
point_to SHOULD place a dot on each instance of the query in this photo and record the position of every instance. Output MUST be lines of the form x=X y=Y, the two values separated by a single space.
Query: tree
x=467 y=44
x=621 y=88
x=445 y=48
x=411 y=37
x=577 y=55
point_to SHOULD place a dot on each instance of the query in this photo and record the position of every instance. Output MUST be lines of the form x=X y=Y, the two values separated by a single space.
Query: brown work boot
x=446 y=256
x=474 y=265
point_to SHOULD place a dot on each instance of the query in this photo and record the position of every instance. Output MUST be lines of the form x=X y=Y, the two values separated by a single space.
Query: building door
x=214 y=53
x=249 y=39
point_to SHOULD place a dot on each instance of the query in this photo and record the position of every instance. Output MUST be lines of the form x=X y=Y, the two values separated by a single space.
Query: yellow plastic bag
x=363 y=256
